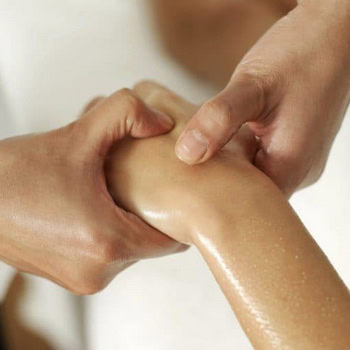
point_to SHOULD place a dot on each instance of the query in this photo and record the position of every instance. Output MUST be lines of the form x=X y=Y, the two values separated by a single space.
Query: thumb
x=119 y=115
x=221 y=117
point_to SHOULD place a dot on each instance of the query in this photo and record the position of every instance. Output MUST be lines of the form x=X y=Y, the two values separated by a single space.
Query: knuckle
x=89 y=285
x=85 y=287
x=87 y=279
x=129 y=98
x=92 y=276
x=106 y=251
x=259 y=74
x=103 y=249
x=124 y=92
x=258 y=80
x=220 y=112
x=256 y=85
x=98 y=252
x=250 y=75
x=157 y=96
x=143 y=84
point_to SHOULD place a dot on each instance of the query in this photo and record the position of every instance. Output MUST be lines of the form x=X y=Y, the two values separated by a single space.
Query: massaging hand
x=57 y=219
x=292 y=89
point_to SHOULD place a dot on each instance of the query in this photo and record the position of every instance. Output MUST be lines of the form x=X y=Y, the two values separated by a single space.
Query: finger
x=159 y=97
x=120 y=115
x=221 y=117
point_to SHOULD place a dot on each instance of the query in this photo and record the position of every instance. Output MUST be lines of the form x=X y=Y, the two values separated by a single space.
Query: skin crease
x=279 y=283
x=293 y=93
x=57 y=218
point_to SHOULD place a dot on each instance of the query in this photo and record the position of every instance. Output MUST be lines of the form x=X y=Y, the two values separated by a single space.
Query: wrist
x=223 y=219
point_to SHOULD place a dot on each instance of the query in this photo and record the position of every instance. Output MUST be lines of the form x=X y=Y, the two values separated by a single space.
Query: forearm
x=277 y=280
x=283 y=289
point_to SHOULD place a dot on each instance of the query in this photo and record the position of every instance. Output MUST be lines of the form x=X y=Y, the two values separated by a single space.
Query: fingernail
x=192 y=146
x=164 y=119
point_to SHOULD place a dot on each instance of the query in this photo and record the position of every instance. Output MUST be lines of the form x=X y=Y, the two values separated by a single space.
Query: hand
x=57 y=217
x=146 y=178
x=292 y=89
x=271 y=270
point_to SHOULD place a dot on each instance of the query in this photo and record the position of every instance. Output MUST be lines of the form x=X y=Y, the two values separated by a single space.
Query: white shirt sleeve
x=6 y=130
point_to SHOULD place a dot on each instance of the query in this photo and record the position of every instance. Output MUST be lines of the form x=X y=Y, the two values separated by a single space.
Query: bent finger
x=161 y=98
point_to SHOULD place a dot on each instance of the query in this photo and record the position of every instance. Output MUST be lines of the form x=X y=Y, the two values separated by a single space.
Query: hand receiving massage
x=283 y=289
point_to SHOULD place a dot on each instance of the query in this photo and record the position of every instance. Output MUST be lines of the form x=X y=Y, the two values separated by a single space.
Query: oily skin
x=57 y=218
x=147 y=178
x=283 y=289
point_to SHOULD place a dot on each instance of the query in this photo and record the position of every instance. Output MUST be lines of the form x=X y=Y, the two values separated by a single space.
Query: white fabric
x=7 y=129
x=54 y=57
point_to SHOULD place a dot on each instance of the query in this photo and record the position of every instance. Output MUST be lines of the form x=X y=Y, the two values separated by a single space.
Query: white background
x=54 y=57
